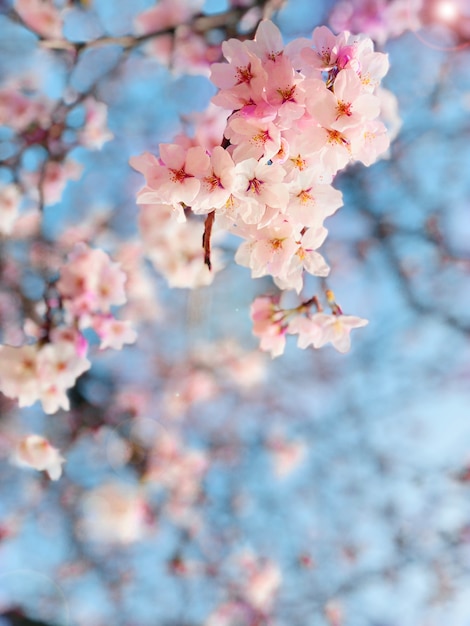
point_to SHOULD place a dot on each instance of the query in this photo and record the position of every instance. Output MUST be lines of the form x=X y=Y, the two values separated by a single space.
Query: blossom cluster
x=36 y=452
x=271 y=323
x=380 y=19
x=89 y=285
x=39 y=122
x=298 y=114
x=255 y=594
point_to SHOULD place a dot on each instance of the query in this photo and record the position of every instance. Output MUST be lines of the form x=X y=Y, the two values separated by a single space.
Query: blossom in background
x=269 y=324
x=41 y=372
x=36 y=452
x=41 y=16
x=10 y=199
x=113 y=513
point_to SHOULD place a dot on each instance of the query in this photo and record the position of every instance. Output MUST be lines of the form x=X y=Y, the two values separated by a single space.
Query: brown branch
x=199 y=25
x=206 y=238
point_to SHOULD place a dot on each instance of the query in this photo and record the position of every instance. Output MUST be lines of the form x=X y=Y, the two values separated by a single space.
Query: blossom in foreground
x=36 y=452
x=299 y=114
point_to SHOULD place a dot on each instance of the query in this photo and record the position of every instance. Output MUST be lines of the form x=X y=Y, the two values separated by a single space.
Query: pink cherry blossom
x=262 y=582
x=333 y=329
x=257 y=185
x=268 y=324
x=90 y=281
x=325 y=53
x=36 y=452
x=240 y=81
x=287 y=455
x=348 y=106
x=18 y=373
x=10 y=199
x=166 y=14
x=310 y=202
x=371 y=143
x=58 y=367
x=284 y=91
x=268 y=250
x=253 y=138
x=381 y=20
x=41 y=372
x=41 y=16
x=175 y=247
x=299 y=115
x=305 y=259
x=267 y=44
x=176 y=178
x=113 y=513
x=216 y=183
x=95 y=133
x=114 y=333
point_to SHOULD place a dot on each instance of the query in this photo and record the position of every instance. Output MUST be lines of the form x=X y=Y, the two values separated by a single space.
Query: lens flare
x=446 y=11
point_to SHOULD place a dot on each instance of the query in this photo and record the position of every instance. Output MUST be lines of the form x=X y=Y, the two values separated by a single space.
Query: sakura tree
x=169 y=171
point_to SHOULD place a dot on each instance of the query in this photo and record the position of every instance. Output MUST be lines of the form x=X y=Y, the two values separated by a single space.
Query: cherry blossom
x=216 y=183
x=379 y=19
x=95 y=132
x=36 y=452
x=262 y=583
x=268 y=250
x=90 y=281
x=347 y=106
x=253 y=137
x=311 y=202
x=175 y=178
x=268 y=324
x=18 y=373
x=321 y=328
x=287 y=455
x=166 y=14
x=325 y=50
x=300 y=114
x=41 y=16
x=174 y=247
x=242 y=80
x=114 y=333
x=306 y=258
x=256 y=185
x=34 y=372
x=10 y=199
x=113 y=513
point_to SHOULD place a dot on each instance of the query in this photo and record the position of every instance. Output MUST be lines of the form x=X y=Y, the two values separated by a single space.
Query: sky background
x=375 y=518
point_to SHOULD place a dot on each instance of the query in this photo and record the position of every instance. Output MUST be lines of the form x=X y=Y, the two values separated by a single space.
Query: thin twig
x=206 y=238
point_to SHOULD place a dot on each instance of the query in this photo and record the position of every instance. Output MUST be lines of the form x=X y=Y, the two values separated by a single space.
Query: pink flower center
x=213 y=182
x=299 y=162
x=177 y=176
x=244 y=74
x=304 y=196
x=334 y=136
x=254 y=185
x=343 y=108
x=287 y=94
x=262 y=137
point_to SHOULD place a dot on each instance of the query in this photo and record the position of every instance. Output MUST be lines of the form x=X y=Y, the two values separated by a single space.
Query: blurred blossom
x=36 y=452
